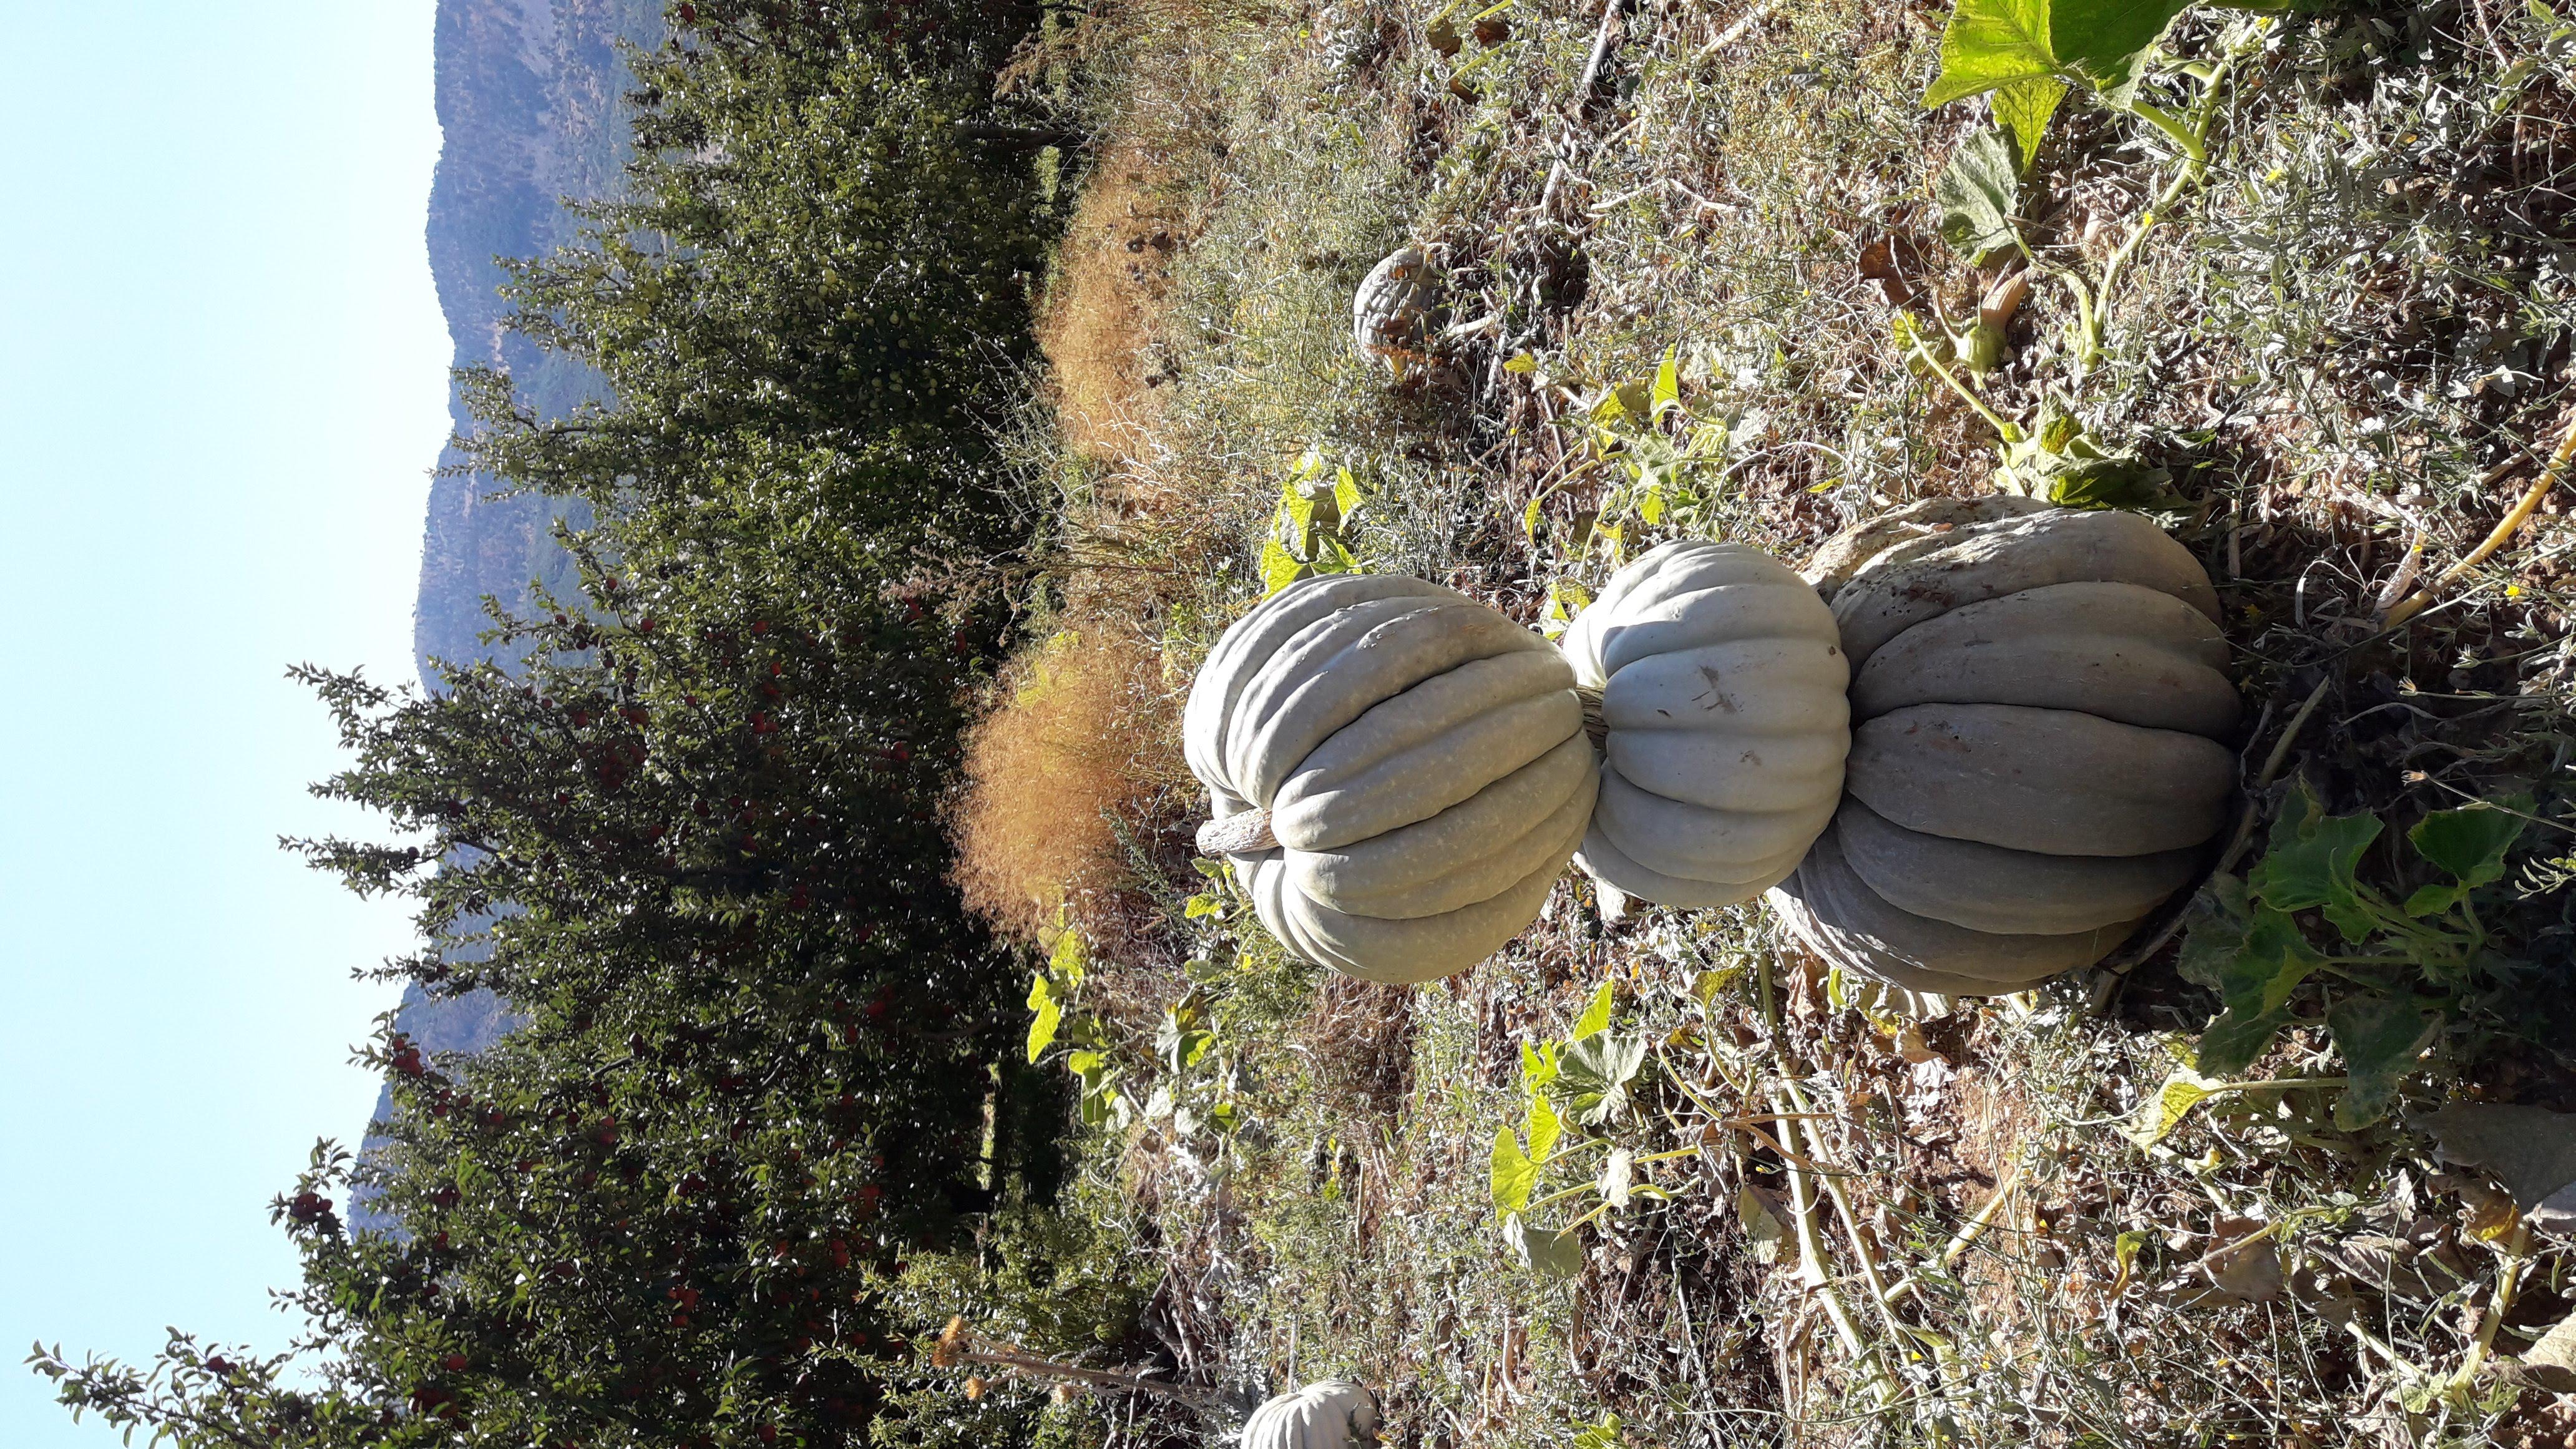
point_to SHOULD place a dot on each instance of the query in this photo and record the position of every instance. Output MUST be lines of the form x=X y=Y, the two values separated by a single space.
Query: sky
x=222 y=384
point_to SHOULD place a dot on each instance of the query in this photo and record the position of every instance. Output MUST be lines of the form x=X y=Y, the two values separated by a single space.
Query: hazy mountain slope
x=528 y=98
x=528 y=95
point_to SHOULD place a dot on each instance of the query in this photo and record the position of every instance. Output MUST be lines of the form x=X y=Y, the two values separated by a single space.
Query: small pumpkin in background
x=1334 y=1414
x=1398 y=772
x=1725 y=722
x=2038 y=755
x=1392 y=308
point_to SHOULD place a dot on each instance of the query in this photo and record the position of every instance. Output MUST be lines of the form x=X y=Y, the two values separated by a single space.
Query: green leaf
x=1346 y=493
x=2160 y=1114
x=1538 y=1067
x=1596 y=1017
x=1554 y=1254
x=1604 y=1435
x=2106 y=38
x=2311 y=864
x=1593 y=1075
x=2432 y=900
x=1667 y=395
x=1297 y=517
x=1706 y=985
x=2380 y=1038
x=2471 y=842
x=2106 y=483
x=2025 y=106
x=2254 y=957
x=2214 y=931
x=1279 y=567
x=1991 y=43
x=1514 y=1176
x=1049 y=1014
x=1200 y=907
x=1521 y=364
x=1545 y=1129
x=1977 y=194
x=1529 y=518
x=1065 y=957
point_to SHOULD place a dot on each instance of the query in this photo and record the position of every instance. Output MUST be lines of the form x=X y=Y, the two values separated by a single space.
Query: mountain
x=529 y=99
x=530 y=96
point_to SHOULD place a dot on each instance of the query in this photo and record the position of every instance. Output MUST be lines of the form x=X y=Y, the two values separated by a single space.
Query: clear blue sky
x=222 y=382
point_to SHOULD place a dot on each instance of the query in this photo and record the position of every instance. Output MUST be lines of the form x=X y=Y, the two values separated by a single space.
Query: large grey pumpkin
x=1392 y=305
x=1398 y=772
x=1334 y=1414
x=2039 y=754
x=1725 y=722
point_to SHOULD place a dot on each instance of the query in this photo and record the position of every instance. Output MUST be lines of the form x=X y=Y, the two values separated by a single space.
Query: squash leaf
x=1593 y=1075
x=2160 y=1114
x=1990 y=44
x=1667 y=396
x=2311 y=865
x=1554 y=1254
x=1279 y=567
x=1596 y=1017
x=1604 y=1435
x=1514 y=1175
x=1538 y=1066
x=2025 y=106
x=1978 y=193
x=2471 y=842
x=2253 y=957
x=1544 y=1127
x=2380 y=1038
x=1050 y=1013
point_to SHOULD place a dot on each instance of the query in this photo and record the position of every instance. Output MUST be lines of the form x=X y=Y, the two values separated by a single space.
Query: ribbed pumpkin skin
x=2039 y=751
x=1723 y=691
x=1334 y=1414
x=1926 y=523
x=1387 y=312
x=1422 y=760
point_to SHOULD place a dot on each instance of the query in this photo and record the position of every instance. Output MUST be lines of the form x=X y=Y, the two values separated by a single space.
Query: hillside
x=528 y=94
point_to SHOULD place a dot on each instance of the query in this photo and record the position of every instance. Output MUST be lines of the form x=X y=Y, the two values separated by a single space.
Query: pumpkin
x=1725 y=722
x=2038 y=757
x=1920 y=525
x=1392 y=305
x=1334 y=1414
x=1398 y=772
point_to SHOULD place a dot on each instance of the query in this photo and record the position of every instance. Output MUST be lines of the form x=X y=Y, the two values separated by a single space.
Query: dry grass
x=1067 y=777
x=1104 y=303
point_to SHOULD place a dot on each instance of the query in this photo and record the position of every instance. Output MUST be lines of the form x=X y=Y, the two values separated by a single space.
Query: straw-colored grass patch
x=1075 y=765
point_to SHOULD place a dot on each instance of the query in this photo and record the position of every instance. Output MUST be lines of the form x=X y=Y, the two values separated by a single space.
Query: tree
x=690 y=832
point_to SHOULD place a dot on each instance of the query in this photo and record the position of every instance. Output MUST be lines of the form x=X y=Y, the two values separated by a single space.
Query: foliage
x=2029 y=52
x=2416 y=963
x=1665 y=459
x=1579 y=1081
x=771 y=1082
x=1313 y=529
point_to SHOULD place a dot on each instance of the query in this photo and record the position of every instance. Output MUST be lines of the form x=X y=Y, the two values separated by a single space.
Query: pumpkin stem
x=1593 y=723
x=1244 y=834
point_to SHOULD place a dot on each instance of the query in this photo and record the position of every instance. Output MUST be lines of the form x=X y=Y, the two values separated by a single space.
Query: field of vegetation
x=894 y=1069
x=2304 y=290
